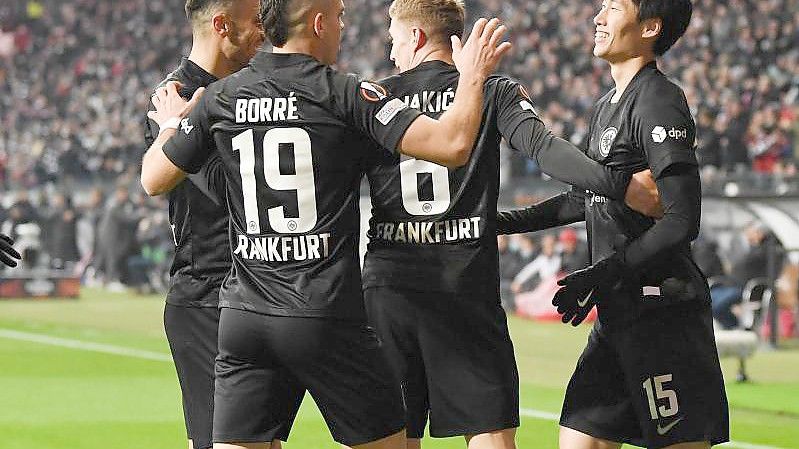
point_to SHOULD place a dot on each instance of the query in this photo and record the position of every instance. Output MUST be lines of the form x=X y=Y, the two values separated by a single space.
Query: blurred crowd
x=121 y=241
x=75 y=77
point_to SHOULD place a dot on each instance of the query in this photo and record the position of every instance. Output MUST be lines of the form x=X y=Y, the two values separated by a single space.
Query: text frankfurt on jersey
x=283 y=248
x=428 y=232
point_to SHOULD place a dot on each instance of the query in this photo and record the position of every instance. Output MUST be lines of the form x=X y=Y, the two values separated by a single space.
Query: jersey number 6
x=409 y=174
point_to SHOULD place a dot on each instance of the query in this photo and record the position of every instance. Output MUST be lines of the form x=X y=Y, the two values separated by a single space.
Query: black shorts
x=192 y=332
x=454 y=356
x=654 y=383
x=266 y=363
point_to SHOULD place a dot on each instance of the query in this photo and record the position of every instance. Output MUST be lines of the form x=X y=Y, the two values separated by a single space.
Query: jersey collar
x=267 y=59
x=196 y=73
x=434 y=64
x=649 y=67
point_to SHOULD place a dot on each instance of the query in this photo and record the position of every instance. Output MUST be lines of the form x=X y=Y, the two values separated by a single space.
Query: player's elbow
x=684 y=229
x=458 y=154
x=151 y=185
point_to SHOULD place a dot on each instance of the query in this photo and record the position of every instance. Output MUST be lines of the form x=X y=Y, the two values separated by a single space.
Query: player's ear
x=651 y=28
x=419 y=38
x=318 y=24
x=221 y=24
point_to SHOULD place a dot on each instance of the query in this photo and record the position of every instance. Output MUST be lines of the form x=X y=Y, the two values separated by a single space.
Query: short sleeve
x=150 y=128
x=514 y=105
x=664 y=128
x=192 y=144
x=210 y=179
x=368 y=106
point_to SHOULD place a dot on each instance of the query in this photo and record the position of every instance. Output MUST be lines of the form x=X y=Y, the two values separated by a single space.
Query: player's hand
x=7 y=252
x=169 y=105
x=643 y=196
x=479 y=56
x=578 y=293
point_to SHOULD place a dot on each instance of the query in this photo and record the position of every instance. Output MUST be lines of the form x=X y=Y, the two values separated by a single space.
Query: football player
x=431 y=270
x=649 y=375
x=225 y=36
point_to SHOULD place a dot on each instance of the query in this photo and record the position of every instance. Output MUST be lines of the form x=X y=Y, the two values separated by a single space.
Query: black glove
x=577 y=295
x=7 y=252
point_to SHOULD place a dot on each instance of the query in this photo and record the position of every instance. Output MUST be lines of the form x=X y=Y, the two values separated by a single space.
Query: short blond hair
x=440 y=19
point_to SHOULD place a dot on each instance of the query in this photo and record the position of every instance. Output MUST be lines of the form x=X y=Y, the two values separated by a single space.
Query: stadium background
x=74 y=82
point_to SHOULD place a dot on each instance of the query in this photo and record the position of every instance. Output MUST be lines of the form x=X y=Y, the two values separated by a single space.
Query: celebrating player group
x=262 y=153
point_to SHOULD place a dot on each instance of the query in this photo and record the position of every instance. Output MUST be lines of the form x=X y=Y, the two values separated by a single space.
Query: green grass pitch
x=95 y=373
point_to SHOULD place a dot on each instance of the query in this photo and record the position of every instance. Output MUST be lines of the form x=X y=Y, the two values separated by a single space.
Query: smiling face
x=618 y=32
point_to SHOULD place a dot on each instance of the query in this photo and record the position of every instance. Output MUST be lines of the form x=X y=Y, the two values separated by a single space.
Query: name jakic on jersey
x=430 y=101
x=429 y=232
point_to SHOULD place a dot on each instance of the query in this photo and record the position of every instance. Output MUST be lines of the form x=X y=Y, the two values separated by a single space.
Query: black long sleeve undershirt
x=681 y=196
x=565 y=208
x=565 y=162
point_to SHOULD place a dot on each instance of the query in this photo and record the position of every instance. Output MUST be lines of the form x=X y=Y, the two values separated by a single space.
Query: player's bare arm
x=448 y=141
x=160 y=175
x=643 y=196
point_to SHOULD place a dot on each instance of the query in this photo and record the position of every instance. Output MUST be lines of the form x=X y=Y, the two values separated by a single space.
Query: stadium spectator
x=508 y=269
x=706 y=256
x=545 y=266
x=573 y=251
x=87 y=231
x=117 y=238
x=728 y=292
x=61 y=236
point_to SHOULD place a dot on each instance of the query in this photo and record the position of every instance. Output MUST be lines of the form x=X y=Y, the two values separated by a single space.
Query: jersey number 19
x=302 y=181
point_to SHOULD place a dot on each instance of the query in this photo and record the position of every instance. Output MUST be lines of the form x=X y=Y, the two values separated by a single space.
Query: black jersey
x=649 y=126
x=197 y=215
x=292 y=135
x=433 y=228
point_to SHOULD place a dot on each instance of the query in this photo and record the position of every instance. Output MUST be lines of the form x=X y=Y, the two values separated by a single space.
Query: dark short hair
x=675 y=16
x=274 y=15
x=194 y=8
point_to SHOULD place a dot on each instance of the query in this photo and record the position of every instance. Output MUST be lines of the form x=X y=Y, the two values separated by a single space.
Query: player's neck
x=435 y=54
x=210 y=58
x=301 y=46
x=624 y=71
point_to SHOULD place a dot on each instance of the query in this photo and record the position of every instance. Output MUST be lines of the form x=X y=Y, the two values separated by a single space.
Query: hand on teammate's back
x=479 y=56
x=643 y=196
x=7 y=251
x=578 y=293
x=170 y=105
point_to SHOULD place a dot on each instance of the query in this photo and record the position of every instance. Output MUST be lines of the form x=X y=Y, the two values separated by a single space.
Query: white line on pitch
x=84 y=345
x=548 y=416
x=161 y=357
